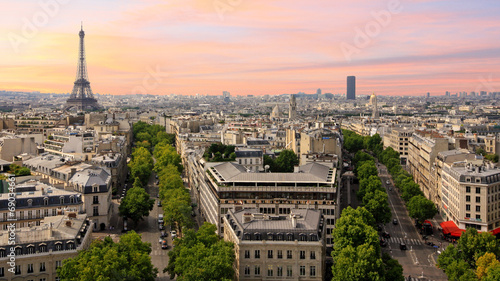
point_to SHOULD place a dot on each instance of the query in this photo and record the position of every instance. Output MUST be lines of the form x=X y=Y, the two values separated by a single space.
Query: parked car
x=160 y=218
x=386 y=234
x=173 y=233
x=159 y=203
x=402 y=246
x=394 y=221
x=161 y=226
x=163 y=234
x=387 y=182
x=160 y=240
x=193 y=214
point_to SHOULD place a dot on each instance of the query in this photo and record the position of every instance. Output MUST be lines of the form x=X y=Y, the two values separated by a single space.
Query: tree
x=201 y=255
x=367 y=185
x=286 y=161
x=141 y=164
x=480 y=151
x=393 y=269
x=166 y=154
x=421 y=208
x=409 y=190
x=492 y=157
x=18 y=170
x=460 y=260
x=169 y=178
x=486 y=263
x=136 y=205
x=177 y=208
x=367 y=169
x=105 y=260
x=361 y=156
x=377 y=204
x=354 y=228
x=358 y=263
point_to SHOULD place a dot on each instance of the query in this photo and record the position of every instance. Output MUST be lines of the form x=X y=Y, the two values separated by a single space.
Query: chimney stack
x=247 y=217
x=294 y=221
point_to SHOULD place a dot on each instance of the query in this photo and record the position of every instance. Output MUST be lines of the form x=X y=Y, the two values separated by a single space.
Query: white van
x=160 y=218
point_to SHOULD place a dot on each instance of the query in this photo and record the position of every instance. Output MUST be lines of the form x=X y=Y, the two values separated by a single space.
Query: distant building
x=277 y=247
x=373 y=103
x=292 y=111
x=351 y=88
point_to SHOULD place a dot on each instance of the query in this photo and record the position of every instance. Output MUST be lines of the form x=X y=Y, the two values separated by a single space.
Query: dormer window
x=72 y=199
x=61 y=199
x=30 y=202
x=46 y=201
x=95 y=188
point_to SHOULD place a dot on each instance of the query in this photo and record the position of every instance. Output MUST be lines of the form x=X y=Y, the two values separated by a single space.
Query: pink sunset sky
x=406 y=47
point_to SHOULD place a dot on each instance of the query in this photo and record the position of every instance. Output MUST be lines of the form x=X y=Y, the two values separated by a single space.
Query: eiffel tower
x=81 y=97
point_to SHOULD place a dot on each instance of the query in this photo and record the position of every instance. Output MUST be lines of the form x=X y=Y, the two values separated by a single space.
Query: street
x=419 y=259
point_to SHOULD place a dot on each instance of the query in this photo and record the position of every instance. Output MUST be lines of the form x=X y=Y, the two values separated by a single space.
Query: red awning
x=495 y=231
x=426 y=221
x=457 y=233
x=448 y=227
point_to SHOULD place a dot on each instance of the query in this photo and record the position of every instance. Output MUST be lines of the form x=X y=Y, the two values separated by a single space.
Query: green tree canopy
x=201 y=255
x=421 y=208
x=393 y=269
x=366 y=170
x=105 y=260
x=18 y=170
x=358 y=263
x=177 y=208
x=137 y=204
x=377 y=204
x=286 y=161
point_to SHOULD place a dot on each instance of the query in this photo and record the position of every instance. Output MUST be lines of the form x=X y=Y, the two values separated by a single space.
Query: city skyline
x=277 y=47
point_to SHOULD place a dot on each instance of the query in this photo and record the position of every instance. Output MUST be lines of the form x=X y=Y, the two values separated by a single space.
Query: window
x=467 y=189
x=30 y=202
x=58 y=264
x=46 y=212
x=54 y=212
x=312 y=271
x=247 y=254
x=467 y=215
x=302 y=255
x=478 y=190
x=42 y=248
x=31 y=250
x=18 y=270
x=45 y=201
x=279 y=271
x=478 y=199
x=269 y=270
x=289 y=254
x=72 y=199
x=302 y=270
x=257 y=270
x=95 y=188
x=30 y=215
x=19 y=251
x=70 y=245
x=95 y=200
x=269 y=254
x=247 y=270
x=58 y=247
x=42 y=267
x=478 y=217
x=478 y=208
x=2 y=272
x=96 y=210
x=467 y=198
x=61 y=200
x=280 y=254
x=30 y=268
x=289 y=272
x=467 y=207
x=257 y=254
x=313 y=255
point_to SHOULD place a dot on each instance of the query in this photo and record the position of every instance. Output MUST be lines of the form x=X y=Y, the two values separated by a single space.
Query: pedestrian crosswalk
x=398 y=240
x=416 y=279
x=159 y=252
